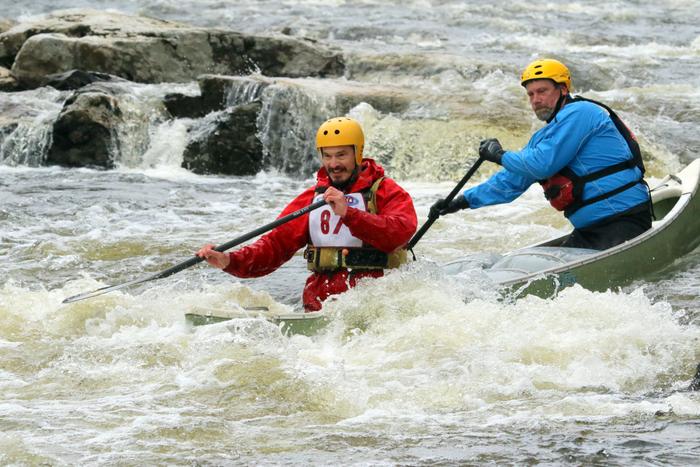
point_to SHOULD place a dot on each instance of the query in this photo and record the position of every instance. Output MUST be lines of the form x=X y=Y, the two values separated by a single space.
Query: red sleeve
x=393 y=225
x=277 y=246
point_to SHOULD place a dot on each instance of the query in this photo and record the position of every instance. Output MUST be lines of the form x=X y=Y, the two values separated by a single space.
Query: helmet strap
x=560 y=103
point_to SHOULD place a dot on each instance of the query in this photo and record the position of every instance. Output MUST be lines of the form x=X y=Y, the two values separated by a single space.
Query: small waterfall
x=25 y=143
x=287 y=124
x=146 y=137
x=243 y=92
x=26 y=125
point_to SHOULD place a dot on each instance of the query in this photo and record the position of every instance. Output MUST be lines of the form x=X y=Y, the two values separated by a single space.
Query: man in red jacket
x=359 y=233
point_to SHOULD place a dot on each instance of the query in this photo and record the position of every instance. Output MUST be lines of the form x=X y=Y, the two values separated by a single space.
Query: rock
x=226 y=143
x=184 y=106
x=7 y=81
x=291 y=111
x=217 y=93
x=153 y=51
x=75 y=79
x=695 y=383
x=80 y=23
x=83 y=134
x=344 y=95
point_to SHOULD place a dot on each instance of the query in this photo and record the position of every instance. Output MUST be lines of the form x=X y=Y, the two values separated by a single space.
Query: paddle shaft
x=455 y=191
x=237 y=241
x=196 y=259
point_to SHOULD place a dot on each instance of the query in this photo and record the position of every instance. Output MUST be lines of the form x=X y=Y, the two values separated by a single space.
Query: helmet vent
x=337 y=132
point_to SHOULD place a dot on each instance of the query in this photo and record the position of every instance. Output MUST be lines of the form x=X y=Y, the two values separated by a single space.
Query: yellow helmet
x=341 y=131
x=547 y=69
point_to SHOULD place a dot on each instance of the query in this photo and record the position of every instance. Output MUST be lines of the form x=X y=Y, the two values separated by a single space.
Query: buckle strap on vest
x=325 y=259
x=579 y=204
x=619 y=167
x=568 y=196
x=333 y=258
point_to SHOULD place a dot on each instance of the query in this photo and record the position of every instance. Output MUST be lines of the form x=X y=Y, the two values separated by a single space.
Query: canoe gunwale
x=686 y=192
x=681 y=187
x=289 y=322
x=672 y=235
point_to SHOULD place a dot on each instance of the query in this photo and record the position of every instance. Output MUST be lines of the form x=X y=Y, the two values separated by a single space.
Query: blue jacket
x=583 y=137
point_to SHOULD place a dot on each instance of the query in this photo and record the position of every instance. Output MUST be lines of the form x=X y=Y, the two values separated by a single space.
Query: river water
x=418 y=368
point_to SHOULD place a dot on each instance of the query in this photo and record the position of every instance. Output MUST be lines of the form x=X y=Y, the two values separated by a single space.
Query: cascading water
x=26 y=137
x=416 y=368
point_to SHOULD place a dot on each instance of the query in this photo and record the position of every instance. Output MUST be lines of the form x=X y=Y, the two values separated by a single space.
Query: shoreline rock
x=260 y=100
x=149 y=50
x=83 y=133
x=210 y=150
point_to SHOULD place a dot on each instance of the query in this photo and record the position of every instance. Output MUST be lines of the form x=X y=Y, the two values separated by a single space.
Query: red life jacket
x=564 y=190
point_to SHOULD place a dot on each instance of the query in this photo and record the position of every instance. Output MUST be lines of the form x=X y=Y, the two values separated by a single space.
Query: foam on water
x=415 y=348
x=415 y=368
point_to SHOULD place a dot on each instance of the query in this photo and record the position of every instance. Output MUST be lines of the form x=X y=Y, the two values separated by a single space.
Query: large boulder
x=83 y=134
x=226 y=143
x=153 y=51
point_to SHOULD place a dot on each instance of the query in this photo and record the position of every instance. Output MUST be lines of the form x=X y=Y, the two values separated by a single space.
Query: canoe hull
x=289 y=323
x=673 y=235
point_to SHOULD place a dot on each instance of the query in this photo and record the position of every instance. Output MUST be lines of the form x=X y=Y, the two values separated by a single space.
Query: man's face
x=339 y=162
x=543 y=95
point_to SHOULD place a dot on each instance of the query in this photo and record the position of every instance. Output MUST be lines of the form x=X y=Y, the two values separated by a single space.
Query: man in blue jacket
x=586 y=159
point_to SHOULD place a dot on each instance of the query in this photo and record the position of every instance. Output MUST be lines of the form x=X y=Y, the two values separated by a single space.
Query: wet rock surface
x=149 y=50
x=83 y=134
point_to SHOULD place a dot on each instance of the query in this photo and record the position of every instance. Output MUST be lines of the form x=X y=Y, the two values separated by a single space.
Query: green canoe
x=289 y=323
x=543 y=269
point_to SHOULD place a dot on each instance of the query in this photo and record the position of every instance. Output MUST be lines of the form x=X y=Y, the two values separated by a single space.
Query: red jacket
x=391 y=228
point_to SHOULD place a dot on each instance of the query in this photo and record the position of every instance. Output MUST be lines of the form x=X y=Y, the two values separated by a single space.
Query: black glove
x=491 y=150
x=441 y=207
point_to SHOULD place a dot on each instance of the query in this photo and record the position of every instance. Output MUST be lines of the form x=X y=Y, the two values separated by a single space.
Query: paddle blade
x=103 y=290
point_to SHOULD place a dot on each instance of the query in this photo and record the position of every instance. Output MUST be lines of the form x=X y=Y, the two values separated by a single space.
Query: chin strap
x=560 y=103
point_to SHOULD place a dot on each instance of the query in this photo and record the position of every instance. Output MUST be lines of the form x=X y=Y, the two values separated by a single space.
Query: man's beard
x=342 y=186
x=544 y=113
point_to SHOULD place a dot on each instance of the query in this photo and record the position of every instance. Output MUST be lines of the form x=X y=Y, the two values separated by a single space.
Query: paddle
x=431 y=219
x=196 y=259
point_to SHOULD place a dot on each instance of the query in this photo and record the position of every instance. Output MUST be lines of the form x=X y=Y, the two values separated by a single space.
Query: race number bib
x=327 y=229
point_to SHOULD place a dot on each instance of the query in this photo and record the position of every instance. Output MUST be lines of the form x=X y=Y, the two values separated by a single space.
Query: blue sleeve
x=553 y=147
x=503 y=187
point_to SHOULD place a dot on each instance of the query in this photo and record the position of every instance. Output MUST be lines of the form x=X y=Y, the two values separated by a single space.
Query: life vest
x=350 y=255
x=564 y=190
